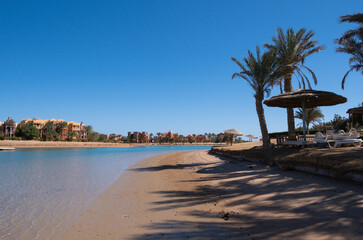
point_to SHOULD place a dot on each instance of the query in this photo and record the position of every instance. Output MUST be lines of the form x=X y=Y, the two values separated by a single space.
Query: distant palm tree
x=71 y=135
x=352 y=43
x=9 y=127
x=292 y=49
x=151 y=137
x=59 y=129
x=209 y=137
x=312 y=115
x=159 y=136
x=261 y=72
x=214 y=136
x=143 y=138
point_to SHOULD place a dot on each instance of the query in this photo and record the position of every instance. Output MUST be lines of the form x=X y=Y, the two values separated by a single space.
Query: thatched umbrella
x=305 y=98
x=233 y=132
x=250 y=136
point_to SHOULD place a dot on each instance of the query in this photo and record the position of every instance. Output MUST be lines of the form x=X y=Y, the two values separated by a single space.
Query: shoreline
x=198 y=195
x=50 y=144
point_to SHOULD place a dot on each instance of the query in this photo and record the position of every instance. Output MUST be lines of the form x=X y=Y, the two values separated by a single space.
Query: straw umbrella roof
x=310 y=98
x=358 y=110
x=251 y=136
x=233 y=131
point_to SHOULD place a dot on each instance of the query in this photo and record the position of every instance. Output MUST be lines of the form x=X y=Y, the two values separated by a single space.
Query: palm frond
x=353 y=18
x=351 y=43
x=292 y=48
x=345 y=76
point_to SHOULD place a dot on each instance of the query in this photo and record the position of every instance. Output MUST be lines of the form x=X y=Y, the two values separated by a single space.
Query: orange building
x=78 y=128
x=168 y=137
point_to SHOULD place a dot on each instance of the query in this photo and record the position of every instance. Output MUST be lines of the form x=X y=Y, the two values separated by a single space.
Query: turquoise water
x=43 y=190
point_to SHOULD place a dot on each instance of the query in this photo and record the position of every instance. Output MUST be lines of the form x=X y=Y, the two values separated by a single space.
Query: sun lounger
x=345 y=138
x=353 y=134
x=334 y=140
x=337 y=143
x=341 y=135
x=320 y=138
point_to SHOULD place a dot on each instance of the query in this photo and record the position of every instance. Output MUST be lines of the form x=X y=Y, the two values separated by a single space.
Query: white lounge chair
x=337 y=139
x=353 y=134
x=341 y=135
x=345 y=138
x=320 y=138
x=338 y=143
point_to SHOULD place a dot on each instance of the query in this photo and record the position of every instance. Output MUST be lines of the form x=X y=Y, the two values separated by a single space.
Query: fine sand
x=194 y=195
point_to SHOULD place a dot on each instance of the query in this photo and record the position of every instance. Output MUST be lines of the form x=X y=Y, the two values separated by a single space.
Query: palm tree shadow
x=267 y=203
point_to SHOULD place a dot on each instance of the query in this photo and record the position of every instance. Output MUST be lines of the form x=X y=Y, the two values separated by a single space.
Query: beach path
x=195 y=195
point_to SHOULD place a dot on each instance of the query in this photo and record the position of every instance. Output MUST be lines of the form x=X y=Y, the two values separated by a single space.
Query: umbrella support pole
x=304 y=120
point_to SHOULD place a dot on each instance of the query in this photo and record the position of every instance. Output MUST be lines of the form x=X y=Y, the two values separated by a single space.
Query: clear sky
x=157 y=65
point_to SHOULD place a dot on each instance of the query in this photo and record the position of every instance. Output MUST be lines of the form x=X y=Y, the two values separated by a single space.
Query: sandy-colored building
x=78 y=128
x=168 y=136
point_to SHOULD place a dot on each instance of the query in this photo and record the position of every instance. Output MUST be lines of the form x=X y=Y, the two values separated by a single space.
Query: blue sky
x=157 y=65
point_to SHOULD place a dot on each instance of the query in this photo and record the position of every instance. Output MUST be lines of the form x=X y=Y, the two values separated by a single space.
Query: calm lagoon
x=43 y=190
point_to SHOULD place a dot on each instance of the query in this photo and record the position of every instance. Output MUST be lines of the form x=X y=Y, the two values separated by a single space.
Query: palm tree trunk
x=262 y=120
x=290 y=111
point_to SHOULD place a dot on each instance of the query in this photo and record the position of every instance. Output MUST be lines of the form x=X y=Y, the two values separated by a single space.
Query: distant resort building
x=9 y=126
x=61 y=130
x=138 y=137
x=355 y=116
x=168 y=137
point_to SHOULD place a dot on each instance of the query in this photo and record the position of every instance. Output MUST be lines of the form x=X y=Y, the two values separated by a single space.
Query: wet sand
x=194 y=195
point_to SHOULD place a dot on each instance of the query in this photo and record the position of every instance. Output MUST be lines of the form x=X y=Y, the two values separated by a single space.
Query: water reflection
x=43 y=190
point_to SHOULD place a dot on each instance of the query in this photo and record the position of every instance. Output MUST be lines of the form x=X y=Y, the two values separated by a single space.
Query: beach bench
x=298 y=143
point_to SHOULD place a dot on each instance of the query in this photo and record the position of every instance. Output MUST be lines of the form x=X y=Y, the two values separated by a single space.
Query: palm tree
x=214 y=136
x=71 y=135
x=151 y=137
x=352 y=43
x=90 y=133
x=159 y=136
x=59 y=128
x=292 y=49
x=9 y=127
x=261 y=72
x=312 y=115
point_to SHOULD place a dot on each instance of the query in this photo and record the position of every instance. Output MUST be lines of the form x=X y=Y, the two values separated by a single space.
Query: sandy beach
x=195 y=195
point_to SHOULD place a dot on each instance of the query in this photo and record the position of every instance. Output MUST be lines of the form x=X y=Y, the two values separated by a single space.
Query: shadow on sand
x=266 y=202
